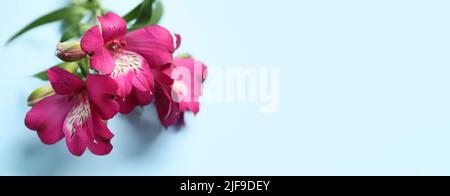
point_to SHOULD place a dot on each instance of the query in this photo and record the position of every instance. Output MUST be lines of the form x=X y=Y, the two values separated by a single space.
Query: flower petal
x=194 y=107
x=47 y=118
x=102 y=61
x=178 y=41
x=195 y=72
x=127 y=104
x=64 y=82
x=102 y=91
x=113 y=27
x=143 y=98
x=78 y=127
x=100 y=129
x=92 y=40
x=136 y=98
x=154 y=43
x=100 y=147
x=198 y=73
x=124 y=83
x=143 y=80
x=76 y=145
x=131 y=70
x=168 y=110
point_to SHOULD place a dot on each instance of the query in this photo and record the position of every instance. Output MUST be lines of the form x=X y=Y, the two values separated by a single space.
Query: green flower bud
x=39 y=94
x=70 y=51
x=184 y=56
x=70 y=67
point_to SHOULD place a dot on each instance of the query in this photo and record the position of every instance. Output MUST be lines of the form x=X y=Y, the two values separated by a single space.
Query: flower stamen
x=126 y=61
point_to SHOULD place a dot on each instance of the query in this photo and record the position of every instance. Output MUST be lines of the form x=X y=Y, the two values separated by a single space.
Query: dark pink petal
x=140 y=82
x=100 y=147
x=113 y=27
x=136 y=98
x=100 y=129
x=162 y=77
x=102 y=91
x=143 y=98
x=182 y=120
x=194 y=107
x=168 y=111
x=102 y=61
x=127 y=104
x=92 y=40
x=131 y=70
x=78 y=126
x=143 y=79
x=76 y=145
x=125 y=83
x=47 y=118
x=64 y=82
x=154 y=43
x=178 y=41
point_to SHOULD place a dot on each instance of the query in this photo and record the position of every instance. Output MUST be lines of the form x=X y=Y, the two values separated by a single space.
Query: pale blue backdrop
x=364 y=91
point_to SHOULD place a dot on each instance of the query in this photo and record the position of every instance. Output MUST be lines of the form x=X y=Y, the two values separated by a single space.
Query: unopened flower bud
x=70 y=67
x=70 y=51
x=39 y=94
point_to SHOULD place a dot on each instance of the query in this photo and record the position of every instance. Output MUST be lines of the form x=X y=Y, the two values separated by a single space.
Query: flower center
x=126 y=61
x=78 y=116
x=115 y=45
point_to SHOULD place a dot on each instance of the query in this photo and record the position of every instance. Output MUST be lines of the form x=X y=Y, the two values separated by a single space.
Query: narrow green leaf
x=133 y=14
x=49 y=18
x=71 y=21
x=146 y=12
x=70 y=67
x=151 y=12
x=75 y=31
x=157 y=13
x=41 y=75
x=71 y=32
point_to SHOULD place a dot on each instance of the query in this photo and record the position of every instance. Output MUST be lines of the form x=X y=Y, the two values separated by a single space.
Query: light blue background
x=364 y=91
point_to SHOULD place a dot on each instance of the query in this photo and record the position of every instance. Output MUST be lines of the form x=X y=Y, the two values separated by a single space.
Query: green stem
x=84 y=67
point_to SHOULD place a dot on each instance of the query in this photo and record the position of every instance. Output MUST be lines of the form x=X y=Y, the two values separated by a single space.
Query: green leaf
x=133 y=14
x=71 y=21
x=75 y=31
x=157 y=13
x=71 y=32
x=49 y=18
x=146 y=12
x=70 y=67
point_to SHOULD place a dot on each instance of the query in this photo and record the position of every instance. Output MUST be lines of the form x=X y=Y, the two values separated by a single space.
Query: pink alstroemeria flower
x=127 y=57
x=77 y=112
x=178 y=87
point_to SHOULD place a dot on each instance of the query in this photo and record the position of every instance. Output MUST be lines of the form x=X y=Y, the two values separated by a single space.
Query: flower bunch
x=115 y=65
